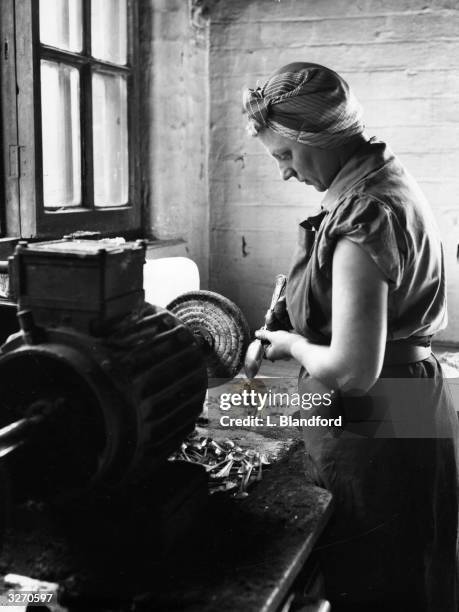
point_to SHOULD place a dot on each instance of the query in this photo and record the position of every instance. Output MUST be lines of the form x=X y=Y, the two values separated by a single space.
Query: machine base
x=106 y=551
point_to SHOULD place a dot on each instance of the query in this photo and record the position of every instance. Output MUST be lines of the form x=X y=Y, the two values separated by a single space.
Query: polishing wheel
x=220 y=329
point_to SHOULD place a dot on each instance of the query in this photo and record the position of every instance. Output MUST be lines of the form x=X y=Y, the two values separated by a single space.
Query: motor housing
x=119 y=383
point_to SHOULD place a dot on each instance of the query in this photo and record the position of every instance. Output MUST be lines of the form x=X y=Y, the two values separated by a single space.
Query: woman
x=365 y=295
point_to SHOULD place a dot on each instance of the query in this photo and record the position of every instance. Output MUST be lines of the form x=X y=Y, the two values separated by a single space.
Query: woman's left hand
x=280 y=343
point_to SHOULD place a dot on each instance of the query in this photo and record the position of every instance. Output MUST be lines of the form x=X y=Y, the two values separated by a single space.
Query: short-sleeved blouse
x=374 y=202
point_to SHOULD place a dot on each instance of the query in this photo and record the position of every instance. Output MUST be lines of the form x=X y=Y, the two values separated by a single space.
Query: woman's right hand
x=278 y=344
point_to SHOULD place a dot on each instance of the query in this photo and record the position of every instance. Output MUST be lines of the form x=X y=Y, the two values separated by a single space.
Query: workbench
x=242 y=554
x=250 y=551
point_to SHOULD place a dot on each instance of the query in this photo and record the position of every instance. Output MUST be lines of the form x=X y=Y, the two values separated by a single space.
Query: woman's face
x=309 y=165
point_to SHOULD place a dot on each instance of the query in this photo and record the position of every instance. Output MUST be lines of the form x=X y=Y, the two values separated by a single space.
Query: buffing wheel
x=220 y=328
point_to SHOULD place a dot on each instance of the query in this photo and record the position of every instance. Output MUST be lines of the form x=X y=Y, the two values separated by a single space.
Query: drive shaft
x=15 y=434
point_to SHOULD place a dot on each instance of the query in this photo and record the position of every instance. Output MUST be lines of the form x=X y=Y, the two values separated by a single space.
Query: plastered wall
x=401 y=58
x=175 y=82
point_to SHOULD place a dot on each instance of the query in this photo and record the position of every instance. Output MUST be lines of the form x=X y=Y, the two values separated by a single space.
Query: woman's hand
x=280 y=343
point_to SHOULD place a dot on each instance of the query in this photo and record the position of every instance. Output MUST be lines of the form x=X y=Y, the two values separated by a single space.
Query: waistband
x=408 y=350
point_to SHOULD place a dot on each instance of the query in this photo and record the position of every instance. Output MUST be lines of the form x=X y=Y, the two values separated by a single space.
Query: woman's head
x=307 y=103
x=307 y=118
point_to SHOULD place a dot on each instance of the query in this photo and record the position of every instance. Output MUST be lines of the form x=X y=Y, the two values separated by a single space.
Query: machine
x=98 y=388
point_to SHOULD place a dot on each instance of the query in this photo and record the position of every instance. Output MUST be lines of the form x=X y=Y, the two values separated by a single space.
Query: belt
x=399 y=352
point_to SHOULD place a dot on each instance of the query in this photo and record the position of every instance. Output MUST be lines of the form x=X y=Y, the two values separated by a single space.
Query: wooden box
x=79 y=283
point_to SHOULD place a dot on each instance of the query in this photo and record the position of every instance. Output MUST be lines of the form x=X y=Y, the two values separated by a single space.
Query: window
x=68 y=106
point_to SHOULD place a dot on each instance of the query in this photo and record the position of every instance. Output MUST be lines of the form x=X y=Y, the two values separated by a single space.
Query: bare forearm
x=318 y=360
x=343 y=365
x=331 y=368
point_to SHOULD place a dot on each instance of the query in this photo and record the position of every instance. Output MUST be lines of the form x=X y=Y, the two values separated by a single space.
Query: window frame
x=25 y=212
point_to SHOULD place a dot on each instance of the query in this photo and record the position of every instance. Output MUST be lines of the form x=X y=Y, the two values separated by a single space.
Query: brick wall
x=214 y=186
x=401 y=58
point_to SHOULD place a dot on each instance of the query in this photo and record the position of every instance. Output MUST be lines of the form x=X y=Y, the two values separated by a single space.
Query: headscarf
x=307 y=103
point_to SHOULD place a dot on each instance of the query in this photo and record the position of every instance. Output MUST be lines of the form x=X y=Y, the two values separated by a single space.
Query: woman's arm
x=354 y=358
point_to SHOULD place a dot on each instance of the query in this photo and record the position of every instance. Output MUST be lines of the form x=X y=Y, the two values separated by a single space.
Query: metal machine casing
x=120 y=382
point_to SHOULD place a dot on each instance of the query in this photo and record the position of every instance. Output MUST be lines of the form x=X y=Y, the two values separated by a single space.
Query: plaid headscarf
x=307 y=103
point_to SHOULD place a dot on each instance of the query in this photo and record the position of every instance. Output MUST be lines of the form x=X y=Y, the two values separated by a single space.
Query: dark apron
x=392 y=469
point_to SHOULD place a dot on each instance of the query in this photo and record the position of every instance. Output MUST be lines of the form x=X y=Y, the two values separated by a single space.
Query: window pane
x=109 y=111
x=61 y=24
x=109 y=30
x=60 y=116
